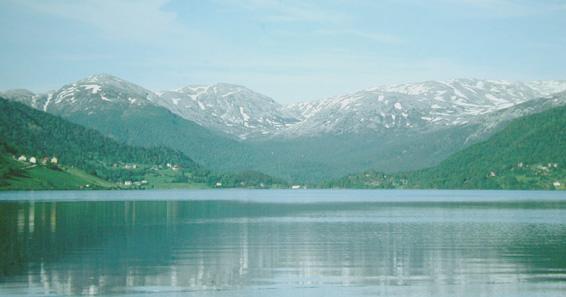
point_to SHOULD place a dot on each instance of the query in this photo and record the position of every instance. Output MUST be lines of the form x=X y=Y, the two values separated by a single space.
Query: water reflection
x=244 y=248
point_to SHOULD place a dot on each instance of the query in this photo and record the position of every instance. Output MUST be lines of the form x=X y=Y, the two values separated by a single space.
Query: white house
x=219 y=184
x=128 y=183
x=32 y=160
x=54 y=160
x=556 y=184
x=22 y=158
x=295 y=187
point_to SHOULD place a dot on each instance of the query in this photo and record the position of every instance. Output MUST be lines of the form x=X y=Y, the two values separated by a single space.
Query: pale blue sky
x=289 y=50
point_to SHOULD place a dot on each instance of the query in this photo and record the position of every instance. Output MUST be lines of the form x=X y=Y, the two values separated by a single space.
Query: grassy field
x=44 y=178
x=39 y=177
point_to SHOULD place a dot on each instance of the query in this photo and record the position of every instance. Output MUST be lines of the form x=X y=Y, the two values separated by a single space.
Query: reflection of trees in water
x=77 y=247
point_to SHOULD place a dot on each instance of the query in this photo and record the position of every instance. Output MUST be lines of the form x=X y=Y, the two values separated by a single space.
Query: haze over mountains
x=230 y=128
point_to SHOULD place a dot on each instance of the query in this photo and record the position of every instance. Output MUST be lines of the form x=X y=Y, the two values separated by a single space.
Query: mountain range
x=231 y=128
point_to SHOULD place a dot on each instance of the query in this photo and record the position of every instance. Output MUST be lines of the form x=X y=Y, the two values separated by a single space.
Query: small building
x=144 y=182
x=22 y=158
x=295 y=187
x=44 y=161
x=492 y=174
x=54 y=160
x=128 y=183
x=556 y=184
x=218 y=184
x=33 y=160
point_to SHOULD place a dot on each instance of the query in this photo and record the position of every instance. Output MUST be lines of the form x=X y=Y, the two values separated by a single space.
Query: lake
x=283 y=243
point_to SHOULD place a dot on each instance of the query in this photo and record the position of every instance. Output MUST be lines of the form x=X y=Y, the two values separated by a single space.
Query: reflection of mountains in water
x=104 y=247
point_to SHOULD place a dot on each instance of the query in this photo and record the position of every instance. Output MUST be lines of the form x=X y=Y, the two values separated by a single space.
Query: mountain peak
x=230 y=108
x=95 y=92
x=101 y=78
x=229 y=86
x=216 y=88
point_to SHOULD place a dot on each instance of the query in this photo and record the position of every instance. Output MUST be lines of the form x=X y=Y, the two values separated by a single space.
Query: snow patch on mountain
x=228 y=108
x=243 y=113
x=97 y=92
x=424 y=105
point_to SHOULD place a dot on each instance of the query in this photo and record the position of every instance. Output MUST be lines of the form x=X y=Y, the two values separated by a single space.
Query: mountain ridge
x=241 y=113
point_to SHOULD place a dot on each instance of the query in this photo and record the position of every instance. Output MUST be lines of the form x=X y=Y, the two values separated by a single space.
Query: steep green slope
x=29 y=132
x=85 y=156
x=151 y=126
x=530 y=153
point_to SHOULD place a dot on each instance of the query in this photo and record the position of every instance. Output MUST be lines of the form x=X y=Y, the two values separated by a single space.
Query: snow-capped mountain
x=97 y=92
x=547 y=87
x=232 y=109
x=426 y=105
x=489 y=123
x=126 y=112
x=243 y=113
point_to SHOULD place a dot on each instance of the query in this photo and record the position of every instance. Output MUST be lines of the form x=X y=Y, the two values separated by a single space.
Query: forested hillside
x=530 y=153
x=27 y=132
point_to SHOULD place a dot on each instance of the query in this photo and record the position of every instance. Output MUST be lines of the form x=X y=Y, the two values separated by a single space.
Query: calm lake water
x=283 y=243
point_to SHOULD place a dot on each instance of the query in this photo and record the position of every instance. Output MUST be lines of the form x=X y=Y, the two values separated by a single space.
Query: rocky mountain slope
x=416 y=106
x=242 y=113
x=233 y=109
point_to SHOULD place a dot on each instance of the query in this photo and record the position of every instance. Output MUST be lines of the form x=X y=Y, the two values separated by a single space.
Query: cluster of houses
x=173 y=167
x=547 y=167
x=125 y=166
x=130 y=183
x=543 y=169
x=42 y=161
